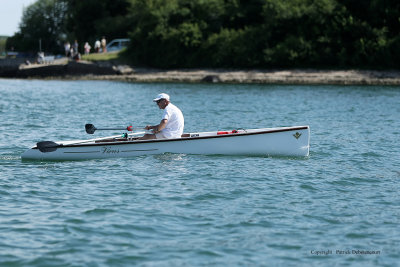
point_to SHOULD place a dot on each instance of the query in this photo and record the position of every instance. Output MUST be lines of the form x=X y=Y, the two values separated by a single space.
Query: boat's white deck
x=132 y=136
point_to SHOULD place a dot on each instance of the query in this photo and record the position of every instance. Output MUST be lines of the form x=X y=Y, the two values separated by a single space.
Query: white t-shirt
x=175 y=124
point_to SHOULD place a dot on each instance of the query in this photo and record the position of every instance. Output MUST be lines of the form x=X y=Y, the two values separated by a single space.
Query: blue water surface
x=328 y=209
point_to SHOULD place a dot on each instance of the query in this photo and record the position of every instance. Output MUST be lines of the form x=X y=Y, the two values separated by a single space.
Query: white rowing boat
x=283 y=141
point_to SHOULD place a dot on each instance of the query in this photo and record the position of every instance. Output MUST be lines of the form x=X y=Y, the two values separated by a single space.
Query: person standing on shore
x=75 y=47
x=67 y=48
x=87 y=48
x=75 y=51
x=97 y=45
x=172 y=122
x=104 y=44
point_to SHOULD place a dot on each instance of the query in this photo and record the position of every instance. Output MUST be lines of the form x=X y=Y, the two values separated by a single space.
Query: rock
x=123 y=69
x=211 y=79
x=84 y=68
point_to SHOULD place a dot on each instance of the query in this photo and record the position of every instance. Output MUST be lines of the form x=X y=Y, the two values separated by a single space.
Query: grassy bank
x=112 y=56
x=100 y=56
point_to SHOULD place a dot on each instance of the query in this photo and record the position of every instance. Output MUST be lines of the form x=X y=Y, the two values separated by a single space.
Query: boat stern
x=32 y=153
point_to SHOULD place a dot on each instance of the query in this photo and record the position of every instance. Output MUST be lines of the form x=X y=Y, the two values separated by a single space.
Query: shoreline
x=84 y=70
x=301 y=77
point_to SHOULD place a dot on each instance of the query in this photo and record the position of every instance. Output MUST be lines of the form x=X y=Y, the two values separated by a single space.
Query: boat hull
x=285 y=141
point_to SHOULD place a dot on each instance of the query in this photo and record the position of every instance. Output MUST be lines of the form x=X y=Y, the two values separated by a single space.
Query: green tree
x=3 y=40
x=224 y=33
x=43 y=23
x=89 y=20
x=183 y=33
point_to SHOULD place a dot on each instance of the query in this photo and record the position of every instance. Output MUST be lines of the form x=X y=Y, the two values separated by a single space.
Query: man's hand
x=157 y=128
x=154 y=128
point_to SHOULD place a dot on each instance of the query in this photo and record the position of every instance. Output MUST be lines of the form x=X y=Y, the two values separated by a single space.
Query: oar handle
x=90 y=128
x=131 y=128
x=127 y=128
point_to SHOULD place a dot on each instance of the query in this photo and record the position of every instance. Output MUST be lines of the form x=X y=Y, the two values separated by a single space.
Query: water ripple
x=193 y=210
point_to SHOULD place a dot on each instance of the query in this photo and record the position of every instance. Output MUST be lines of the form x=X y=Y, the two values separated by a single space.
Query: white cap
x=161 y=96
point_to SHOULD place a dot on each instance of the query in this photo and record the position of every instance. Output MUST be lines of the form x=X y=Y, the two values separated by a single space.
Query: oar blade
x=90 y=129
x=47 y=146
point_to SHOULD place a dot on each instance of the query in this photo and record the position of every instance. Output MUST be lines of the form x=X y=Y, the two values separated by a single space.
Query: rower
x=172 y=122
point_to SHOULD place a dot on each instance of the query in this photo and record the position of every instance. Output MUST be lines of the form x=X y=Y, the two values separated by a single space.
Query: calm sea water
x=191 y=210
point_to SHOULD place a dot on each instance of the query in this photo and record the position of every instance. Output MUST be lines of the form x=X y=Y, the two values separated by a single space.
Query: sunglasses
x=158 y=101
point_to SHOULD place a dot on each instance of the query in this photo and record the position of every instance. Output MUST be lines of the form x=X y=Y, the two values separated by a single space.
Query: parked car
x=117 y=44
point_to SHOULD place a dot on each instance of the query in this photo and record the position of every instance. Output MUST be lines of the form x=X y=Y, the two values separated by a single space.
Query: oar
x=47 y=146
x=90 y=128
x=50 y=146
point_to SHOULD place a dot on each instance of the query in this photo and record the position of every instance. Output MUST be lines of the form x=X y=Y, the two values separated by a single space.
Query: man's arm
x=159 y=127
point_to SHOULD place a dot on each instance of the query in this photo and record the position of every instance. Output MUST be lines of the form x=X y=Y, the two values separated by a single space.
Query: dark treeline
x=225 y=33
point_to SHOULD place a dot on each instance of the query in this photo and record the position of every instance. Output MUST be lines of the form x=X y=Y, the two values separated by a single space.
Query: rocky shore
x=65 y=69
